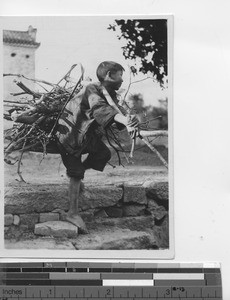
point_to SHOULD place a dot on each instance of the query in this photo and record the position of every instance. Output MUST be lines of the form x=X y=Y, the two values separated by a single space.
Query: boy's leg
x=99 y=155
x=73 y=213
x=75 y=171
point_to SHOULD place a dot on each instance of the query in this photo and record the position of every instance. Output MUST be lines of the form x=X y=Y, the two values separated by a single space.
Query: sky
x=69 y=40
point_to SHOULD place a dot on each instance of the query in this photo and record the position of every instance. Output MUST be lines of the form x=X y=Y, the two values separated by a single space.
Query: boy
x=77 y=131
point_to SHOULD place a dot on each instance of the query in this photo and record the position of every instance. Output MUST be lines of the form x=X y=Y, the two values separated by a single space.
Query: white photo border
x=105 y=254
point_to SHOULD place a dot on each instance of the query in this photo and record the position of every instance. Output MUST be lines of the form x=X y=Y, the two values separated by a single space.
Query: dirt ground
x=36 y=169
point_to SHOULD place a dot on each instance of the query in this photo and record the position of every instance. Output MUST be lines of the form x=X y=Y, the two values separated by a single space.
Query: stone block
x=116 y=239
x=141 y=241
x=6 y=229
x=114 y=212
x=134 y=193
x=8 y=219
x=133 y=210
x=29 y=219
x=45 y=217
x=16 y=220
x=157 y=190
x=100 y=214
x=36 y=198
x=158 y=211
x=56 y=229
x=161 y=233
x=46 y=198
x=141 y=223
x=100 y=196
x=61 y=212
x=17 y=232
x=88 y=215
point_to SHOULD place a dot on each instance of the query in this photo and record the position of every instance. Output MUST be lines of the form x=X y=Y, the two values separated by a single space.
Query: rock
x=40 y=243
x=36 y=198
x=16 y=220
x=142 y=223
x=6 y=229
x=161 y=233
x=133 y=210
x=114 y=212
x=100 y=214
x=135 y=194
x=100 y=196
x=56 y=229
x=8 y=219
x=141 y=241
x=156 y=210
x=24 y=228
x=29 y=219
x=17 y=232
x=45 y=217
x=157 y=190
x=46 y=198
x=116 y=240
x=88 y=215
x=61 y=212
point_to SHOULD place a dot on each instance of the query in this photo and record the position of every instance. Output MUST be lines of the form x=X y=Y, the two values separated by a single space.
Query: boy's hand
x=133 y=132
x=132 y=121
x=132 y=126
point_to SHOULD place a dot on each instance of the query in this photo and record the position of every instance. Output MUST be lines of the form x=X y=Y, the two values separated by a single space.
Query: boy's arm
x=102 y=112
x=130 y=121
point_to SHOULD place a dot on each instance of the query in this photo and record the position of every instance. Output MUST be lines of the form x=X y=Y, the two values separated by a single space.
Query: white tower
x=19 y=58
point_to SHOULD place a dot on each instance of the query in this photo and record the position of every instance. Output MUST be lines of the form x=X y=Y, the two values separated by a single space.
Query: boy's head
x=110 y=73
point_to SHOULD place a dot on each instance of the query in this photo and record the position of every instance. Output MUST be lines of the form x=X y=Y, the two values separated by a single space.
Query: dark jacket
x=83 y=114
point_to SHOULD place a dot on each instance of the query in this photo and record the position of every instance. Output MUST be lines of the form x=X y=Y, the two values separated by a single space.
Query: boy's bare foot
x=77 y=221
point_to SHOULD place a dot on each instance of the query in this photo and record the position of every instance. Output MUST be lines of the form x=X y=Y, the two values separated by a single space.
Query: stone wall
x=40 y=210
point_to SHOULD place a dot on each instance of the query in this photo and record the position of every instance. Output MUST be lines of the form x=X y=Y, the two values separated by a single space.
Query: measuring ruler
x=102 y=280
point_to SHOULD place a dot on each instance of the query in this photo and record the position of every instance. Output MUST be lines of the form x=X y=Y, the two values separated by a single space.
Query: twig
x=16 y=105
x=20 y=102
x=71 y=95
x=71 y=69
x=26 y=89
x=20 y=161
x=18 y=94
x=130 y=82
x=31 y=79
x=143 y=79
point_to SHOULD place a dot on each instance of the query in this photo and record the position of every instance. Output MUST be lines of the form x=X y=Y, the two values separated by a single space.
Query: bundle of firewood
x=35 y=119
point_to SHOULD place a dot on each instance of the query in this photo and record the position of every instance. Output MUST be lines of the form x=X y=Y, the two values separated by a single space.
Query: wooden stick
x=16 y=105
x=153 y=133
x=31 y=79
x=20 y=161
x=155 y=151
x=67 y=101
x=18 y=94
x=26 y=89
x=20 y=102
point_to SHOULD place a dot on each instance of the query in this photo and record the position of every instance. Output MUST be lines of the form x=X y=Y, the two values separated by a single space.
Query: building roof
x=21 y=38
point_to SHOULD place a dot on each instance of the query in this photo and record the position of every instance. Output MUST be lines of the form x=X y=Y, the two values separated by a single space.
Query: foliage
x=146 y=45
x=159 y=117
